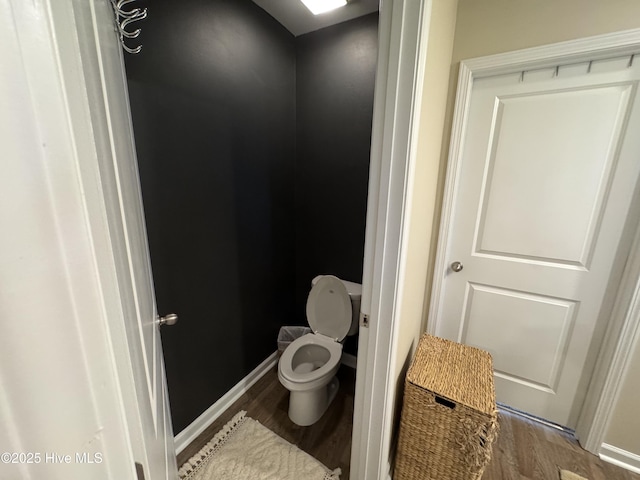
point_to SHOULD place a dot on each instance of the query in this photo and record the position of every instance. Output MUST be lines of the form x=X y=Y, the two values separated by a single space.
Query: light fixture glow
x=321 y=6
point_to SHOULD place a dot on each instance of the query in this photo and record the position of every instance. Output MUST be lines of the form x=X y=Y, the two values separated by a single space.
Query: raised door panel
x=545 y=184
x=539 y=325
x=547 y=173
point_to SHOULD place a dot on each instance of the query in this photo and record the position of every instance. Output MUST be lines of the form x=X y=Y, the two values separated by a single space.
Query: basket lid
x=457 y=372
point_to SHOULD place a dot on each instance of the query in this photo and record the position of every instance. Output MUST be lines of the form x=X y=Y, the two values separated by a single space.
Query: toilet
x=309 y=364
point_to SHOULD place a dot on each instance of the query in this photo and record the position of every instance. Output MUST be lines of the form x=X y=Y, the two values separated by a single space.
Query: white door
x=83 y=392
x=549 y=165
x=107 y=91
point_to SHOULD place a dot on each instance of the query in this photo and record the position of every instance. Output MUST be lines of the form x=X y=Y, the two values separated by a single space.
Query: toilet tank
x=355 y=293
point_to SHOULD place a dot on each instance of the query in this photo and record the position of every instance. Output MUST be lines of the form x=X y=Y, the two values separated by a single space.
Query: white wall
x=59 y=394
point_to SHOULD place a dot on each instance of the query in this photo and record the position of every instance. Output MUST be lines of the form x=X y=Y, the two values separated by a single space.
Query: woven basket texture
x=449 y=417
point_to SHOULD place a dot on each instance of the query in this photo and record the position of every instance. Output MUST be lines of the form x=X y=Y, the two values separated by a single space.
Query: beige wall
x=486 y=27
x=624 y=429
x=423 y=198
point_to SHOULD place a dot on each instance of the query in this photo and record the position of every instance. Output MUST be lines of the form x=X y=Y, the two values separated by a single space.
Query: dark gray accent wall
x=335 y=73
x=238 y=222
x=213 y=106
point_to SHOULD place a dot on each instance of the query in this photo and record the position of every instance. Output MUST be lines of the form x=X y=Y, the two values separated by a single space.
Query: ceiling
x=296 y=18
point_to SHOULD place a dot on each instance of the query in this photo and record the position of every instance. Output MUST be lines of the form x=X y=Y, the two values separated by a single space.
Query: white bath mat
x=244 y=449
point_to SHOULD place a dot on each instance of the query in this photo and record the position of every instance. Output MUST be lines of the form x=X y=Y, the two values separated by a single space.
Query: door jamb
x=624 y=324
x=402 y=51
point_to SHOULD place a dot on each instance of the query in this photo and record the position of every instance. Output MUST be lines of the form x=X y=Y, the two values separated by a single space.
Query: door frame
x=402 y=49
x=624 y=324
x=92 y=64
x=121 y=215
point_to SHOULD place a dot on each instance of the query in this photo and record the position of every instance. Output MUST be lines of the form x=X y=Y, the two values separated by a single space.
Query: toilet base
x=307 y=407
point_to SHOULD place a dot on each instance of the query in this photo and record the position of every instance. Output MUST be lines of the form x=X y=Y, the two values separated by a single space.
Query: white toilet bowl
x=307 y=369
x=309 y=364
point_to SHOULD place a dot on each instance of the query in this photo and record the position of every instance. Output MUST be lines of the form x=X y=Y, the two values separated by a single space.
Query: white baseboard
x=200 y=424
x=349 y=360
x=621 y=458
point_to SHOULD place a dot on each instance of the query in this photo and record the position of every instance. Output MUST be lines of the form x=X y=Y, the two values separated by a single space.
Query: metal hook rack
x=124 y=18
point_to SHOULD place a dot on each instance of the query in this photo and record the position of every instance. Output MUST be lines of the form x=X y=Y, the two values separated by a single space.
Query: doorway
x=488 y=297
x=253 y=149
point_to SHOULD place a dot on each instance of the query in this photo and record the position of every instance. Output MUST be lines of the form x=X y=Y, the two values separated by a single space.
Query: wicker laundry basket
x=449 y=416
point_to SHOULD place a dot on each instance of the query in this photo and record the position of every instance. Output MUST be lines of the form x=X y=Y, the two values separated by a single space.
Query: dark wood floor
x=328 y=440
x=525 y=450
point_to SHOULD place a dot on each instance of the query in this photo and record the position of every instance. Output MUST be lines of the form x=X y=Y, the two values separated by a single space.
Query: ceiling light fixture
x=321 y=6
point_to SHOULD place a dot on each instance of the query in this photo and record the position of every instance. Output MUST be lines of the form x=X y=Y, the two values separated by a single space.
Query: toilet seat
x=285 y=366
x=308 y=365
x=329 y=308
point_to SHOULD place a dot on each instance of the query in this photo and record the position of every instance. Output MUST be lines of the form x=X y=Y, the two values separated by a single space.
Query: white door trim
x=401 y=59
x=64 y=331
x=613 y=362
x=109 y=178
x=614 y=354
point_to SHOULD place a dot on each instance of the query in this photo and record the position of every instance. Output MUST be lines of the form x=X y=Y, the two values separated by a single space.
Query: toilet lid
x=329 y=308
